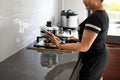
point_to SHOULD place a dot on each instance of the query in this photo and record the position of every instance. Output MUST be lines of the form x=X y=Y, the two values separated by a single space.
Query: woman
x=91 y=43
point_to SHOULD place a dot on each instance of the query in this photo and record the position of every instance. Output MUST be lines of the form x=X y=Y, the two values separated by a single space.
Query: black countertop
x=113 y=39
x=33 y=65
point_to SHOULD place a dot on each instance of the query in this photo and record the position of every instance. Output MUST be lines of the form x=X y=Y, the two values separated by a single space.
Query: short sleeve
x=93 y=24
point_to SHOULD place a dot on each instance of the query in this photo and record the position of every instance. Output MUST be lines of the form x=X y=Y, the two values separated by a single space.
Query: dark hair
x=102 y=0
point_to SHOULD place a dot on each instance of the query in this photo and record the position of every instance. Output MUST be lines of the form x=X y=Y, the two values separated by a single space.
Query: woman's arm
x=83 y=46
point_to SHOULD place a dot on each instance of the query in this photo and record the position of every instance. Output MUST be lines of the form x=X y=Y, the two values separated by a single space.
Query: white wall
x=20 y=21
x=76 y=6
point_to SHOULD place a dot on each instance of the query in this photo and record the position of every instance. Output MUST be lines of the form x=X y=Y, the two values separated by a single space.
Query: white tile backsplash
x=20 y=21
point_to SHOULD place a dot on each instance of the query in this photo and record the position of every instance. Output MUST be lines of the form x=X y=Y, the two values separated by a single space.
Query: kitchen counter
x=34 y=65
x=51 y=56
x=113 y=39
x=43 y=64
x=40 y=63
x=58 y=64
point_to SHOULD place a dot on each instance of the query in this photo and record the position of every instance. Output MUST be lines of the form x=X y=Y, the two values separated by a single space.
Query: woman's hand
x=53 y=38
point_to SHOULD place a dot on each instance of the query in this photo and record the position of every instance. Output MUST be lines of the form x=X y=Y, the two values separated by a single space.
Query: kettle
x=69 y=18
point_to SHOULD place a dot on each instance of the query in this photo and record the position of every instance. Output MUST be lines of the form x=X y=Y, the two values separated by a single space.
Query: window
x=113 y=9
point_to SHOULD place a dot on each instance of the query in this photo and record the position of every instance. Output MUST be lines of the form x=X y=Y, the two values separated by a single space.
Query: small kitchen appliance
x=69 y=18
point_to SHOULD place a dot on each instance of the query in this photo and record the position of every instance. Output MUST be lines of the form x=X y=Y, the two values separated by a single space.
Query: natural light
x=113 y=9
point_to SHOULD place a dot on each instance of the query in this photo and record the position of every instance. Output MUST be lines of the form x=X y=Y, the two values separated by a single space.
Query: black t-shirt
x=97 y=22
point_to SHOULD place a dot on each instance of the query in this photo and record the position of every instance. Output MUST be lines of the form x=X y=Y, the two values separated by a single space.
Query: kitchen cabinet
x=113 y=69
